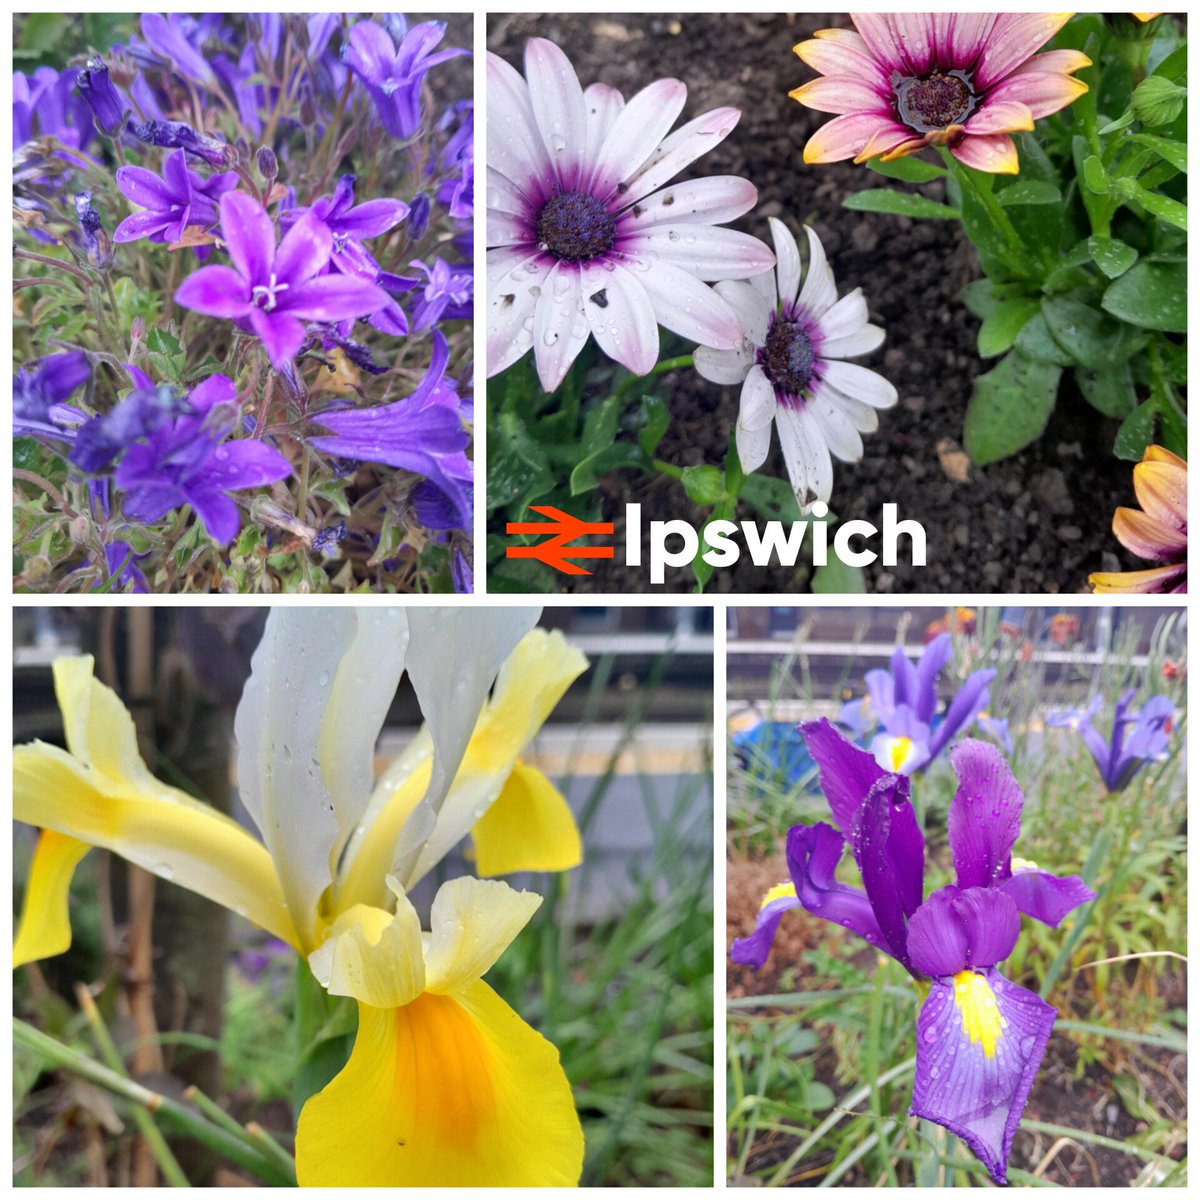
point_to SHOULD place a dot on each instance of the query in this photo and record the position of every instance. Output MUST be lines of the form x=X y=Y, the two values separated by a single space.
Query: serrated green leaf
x=1151 y=295
x=900 y=204
x=1010 y=407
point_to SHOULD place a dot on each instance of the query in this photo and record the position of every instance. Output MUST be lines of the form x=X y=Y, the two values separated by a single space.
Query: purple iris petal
x=904 y=679
x=969 y=701
x=847 y=773
x=985 y=814
x=977 y=1095
x=813 y=852
x=1045 y=897
x=753 y=951
x=961 y=929
x=933 y=658
x=1120 y=759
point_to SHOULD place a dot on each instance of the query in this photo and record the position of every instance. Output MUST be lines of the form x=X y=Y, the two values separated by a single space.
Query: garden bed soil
x=1063 y=1094
x=1036 y=522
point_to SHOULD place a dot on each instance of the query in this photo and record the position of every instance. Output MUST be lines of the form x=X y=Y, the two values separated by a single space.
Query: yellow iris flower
x=446 y=1085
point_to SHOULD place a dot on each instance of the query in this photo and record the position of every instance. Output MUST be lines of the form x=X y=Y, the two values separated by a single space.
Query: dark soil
x=1062 y=1095
x=1037 y=522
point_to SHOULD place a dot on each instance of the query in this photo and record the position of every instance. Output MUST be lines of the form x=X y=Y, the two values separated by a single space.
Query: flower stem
x=627 y=385
x=987 y=199
x=47 y=487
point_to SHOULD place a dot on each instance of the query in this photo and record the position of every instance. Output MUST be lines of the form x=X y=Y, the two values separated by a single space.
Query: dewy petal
x=249 y=236
x=278 y=729
x=847 y=774
x=215 y=291
x=787 y=261
x=688 y=307
x=1041 y=93
x=1161 y=489
x=813 y=852
x=374 y=956
x=560 y=328
x=757 y=407
x=937 y=937
x=819 y=293
x=985 y=814
x=472 y=923
x=753 y=951
x=145 y=188
x=101 y=793
x=845 y=136
x=969 y=701
x=754 y=443
x=866 y=340
x=372 y=218
x=933 y=658
x=1138 y=583
x=806 y=456
x=707 y=253
x=843 y=94
x=620 y=315
x=332 y=297
x=636 y=133
x=514 y=285
x=45 y=928
x=1045 y=897
x=723 y=366
x=282 y=334
x=847 y=316
x=143 y=224
x=444 y=1092
x=604 y=105
x=220 y=516
x=1000 y=116
x=838 y=431
x=303 y=253
x=845 y=54
x=976 y=1095
x=1013 y=41
x=709 y=201
x=528 y=827
x=994 y=153
x=1148 y=538
x=681 y=149
x=751 y=310
x=559 y=110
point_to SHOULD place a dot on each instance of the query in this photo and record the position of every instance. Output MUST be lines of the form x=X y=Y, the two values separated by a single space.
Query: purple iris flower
x=1136 y=738
x=350 y=223
x=171 y=203
x=189 y=461
x=392 y=75
x=421 y=433
x=178 y=135
x=448 y=293
x=108 y=106
x=272 y=290
x=41 y=386
x=904 y=701
x=980 y=1038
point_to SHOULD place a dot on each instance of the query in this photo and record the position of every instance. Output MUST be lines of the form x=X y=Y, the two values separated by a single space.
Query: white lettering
x=841 y=543
x=892 y=532
x=661 y=557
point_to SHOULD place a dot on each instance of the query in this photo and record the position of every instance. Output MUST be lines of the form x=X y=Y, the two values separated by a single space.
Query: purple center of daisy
x=575 y=227
x=934 y=101
x=787 y=358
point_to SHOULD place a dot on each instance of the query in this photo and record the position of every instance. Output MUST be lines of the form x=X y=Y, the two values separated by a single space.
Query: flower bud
x=1158 y=101
x=268 y=165
x=38 y=569
x=80 y=529
x=96 y=242
x=176 y=135
x=108 y=109
x=418 y=216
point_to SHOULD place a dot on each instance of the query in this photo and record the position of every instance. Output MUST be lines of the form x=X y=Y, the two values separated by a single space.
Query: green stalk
x=681 y=363
x=242 y=1150
x=871 y=1069
x=987 y=198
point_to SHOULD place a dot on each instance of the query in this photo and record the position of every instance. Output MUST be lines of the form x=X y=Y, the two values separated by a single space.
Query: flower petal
x=303 y=253
x=681 y=149
x=560 y=328
x=706 y=252
x=748 y=303
x=723 y=366
x=45 y=928
x=985 y=814
x=1157 y=579
x=843 y=94
x=1045 y=897
x=846 y=317
x=1013 y=41
x=806 y=456
x=249 y=236
x=753 y=951
x=709 y=201
x=529 y=827
x=282 y=335
x=859 y=383
x=1161 y=489
x=842 y=438
x=994 y=153
x=443 y=1092
x=604 y=105
x=845 y=136
x=868 y=339
x=847 y=773
x=969 y=701
x=515 y=148
x=1000 y=116
x=1041 y=93
x=215 y=291
x=372 y=218
x=636 y=133
x=559 y=110
x=787 y=261
x=978 y=1052
x=515 y=282
x=620 y=315
x=332 y=297
x=819 y=293
x=688 y=307
x=1148 y=538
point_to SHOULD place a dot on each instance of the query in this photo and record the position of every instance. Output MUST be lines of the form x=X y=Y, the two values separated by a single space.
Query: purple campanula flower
x=393 y=75
x=904 y=700
x=418 y=216
x=136 y=415
x=109 y=108
x=97 y=245
x=271 y=290
x=457 y=192
x=42 y=385
x=45 y=104
x=213 y=149
x=980 y=1038
x=1136 y=739
x=121 y=566
x=447 y=293
x=349 y=223
x=171 y=203
x=189 y=461
x=422 y=433
x=174 y=41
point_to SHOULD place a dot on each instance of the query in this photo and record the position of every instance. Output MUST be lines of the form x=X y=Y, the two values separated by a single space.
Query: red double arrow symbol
x=554 y=551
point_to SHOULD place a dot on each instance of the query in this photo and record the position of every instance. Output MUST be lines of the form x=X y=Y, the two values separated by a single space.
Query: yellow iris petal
x=448 y=1091
x=528 y=828
x=373 y=956
x=158 y=828
x=45 y=928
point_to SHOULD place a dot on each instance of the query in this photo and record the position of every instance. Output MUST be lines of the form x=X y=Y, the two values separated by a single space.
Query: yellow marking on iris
x=781 y=891
x=900 y=749
x=980 y=1014
x=1023 y=864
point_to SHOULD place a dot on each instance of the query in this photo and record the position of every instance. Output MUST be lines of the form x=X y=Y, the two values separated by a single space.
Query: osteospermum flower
x=446 y=1085
x=1158 y=532
x=789 y=365
x=965 y=81
x=585 y=237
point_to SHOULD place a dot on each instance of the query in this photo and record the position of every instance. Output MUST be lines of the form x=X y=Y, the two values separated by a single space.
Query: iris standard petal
x=448 y=1091
x=968 y=702
x=753 y=951
x=933 y=658
x=528 y=827
x=813 y=852
x=847 y=774
x=980 y=1041
x=1045 y=897
x=985 y=814
x=45 y=927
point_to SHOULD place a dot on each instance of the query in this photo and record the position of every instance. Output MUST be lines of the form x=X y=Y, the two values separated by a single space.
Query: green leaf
x=1036 y=342
x=599 y=432
x=1136 y=432
x=616 y=457
x=900 y=204
x=655 y=421
x=1164 y=208
x=1166 y=148
x=1113 y=256
x=1010 y=407
x=909 y=169
x=1122 y=122
x=704 y=485
x=1029 y=191
x=771 y=497
x=999 y=330
x=161 y=341
x=1109 y=390
x=1095 y=176
x=1152 y=295
x=518 y=470
x=836 y=578
x=1090 y=337
x=323 y=1041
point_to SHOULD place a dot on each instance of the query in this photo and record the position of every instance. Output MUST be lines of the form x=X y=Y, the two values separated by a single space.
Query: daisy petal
x=635 y=135
x=1157 y=579
x=749 y=306
x=558 y=109
x=758 y=403
x=753 y=446
x=847 y=316
x=1000 y=116
x=604 y=104
x=710 y=201
x=995 y=153
x=706 y=252
x=859 y=383
x=514 y=284
x=845 y=136
x=681 y=149
x=862 y=341
x=559 y=326
x=514 y=146
x=505 y=196
x=620 y=315
x=1161 y=489
x=806 y=456
x=690 y=308
x=836 y=428
x=842 y=94
x=1013 y=42
x=1146 y=537
x=722 y=366
x=1042 y=92
x=787 y=261
x=819 y=293
x=842 y=57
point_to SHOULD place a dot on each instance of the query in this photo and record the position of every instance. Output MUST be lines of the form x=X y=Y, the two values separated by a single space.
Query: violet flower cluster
x=249 y=335
x=980 y=1038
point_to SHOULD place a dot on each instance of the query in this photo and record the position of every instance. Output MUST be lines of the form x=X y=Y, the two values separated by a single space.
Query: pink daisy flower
x=586 y=234
x=791 y=370
x=965 y=81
